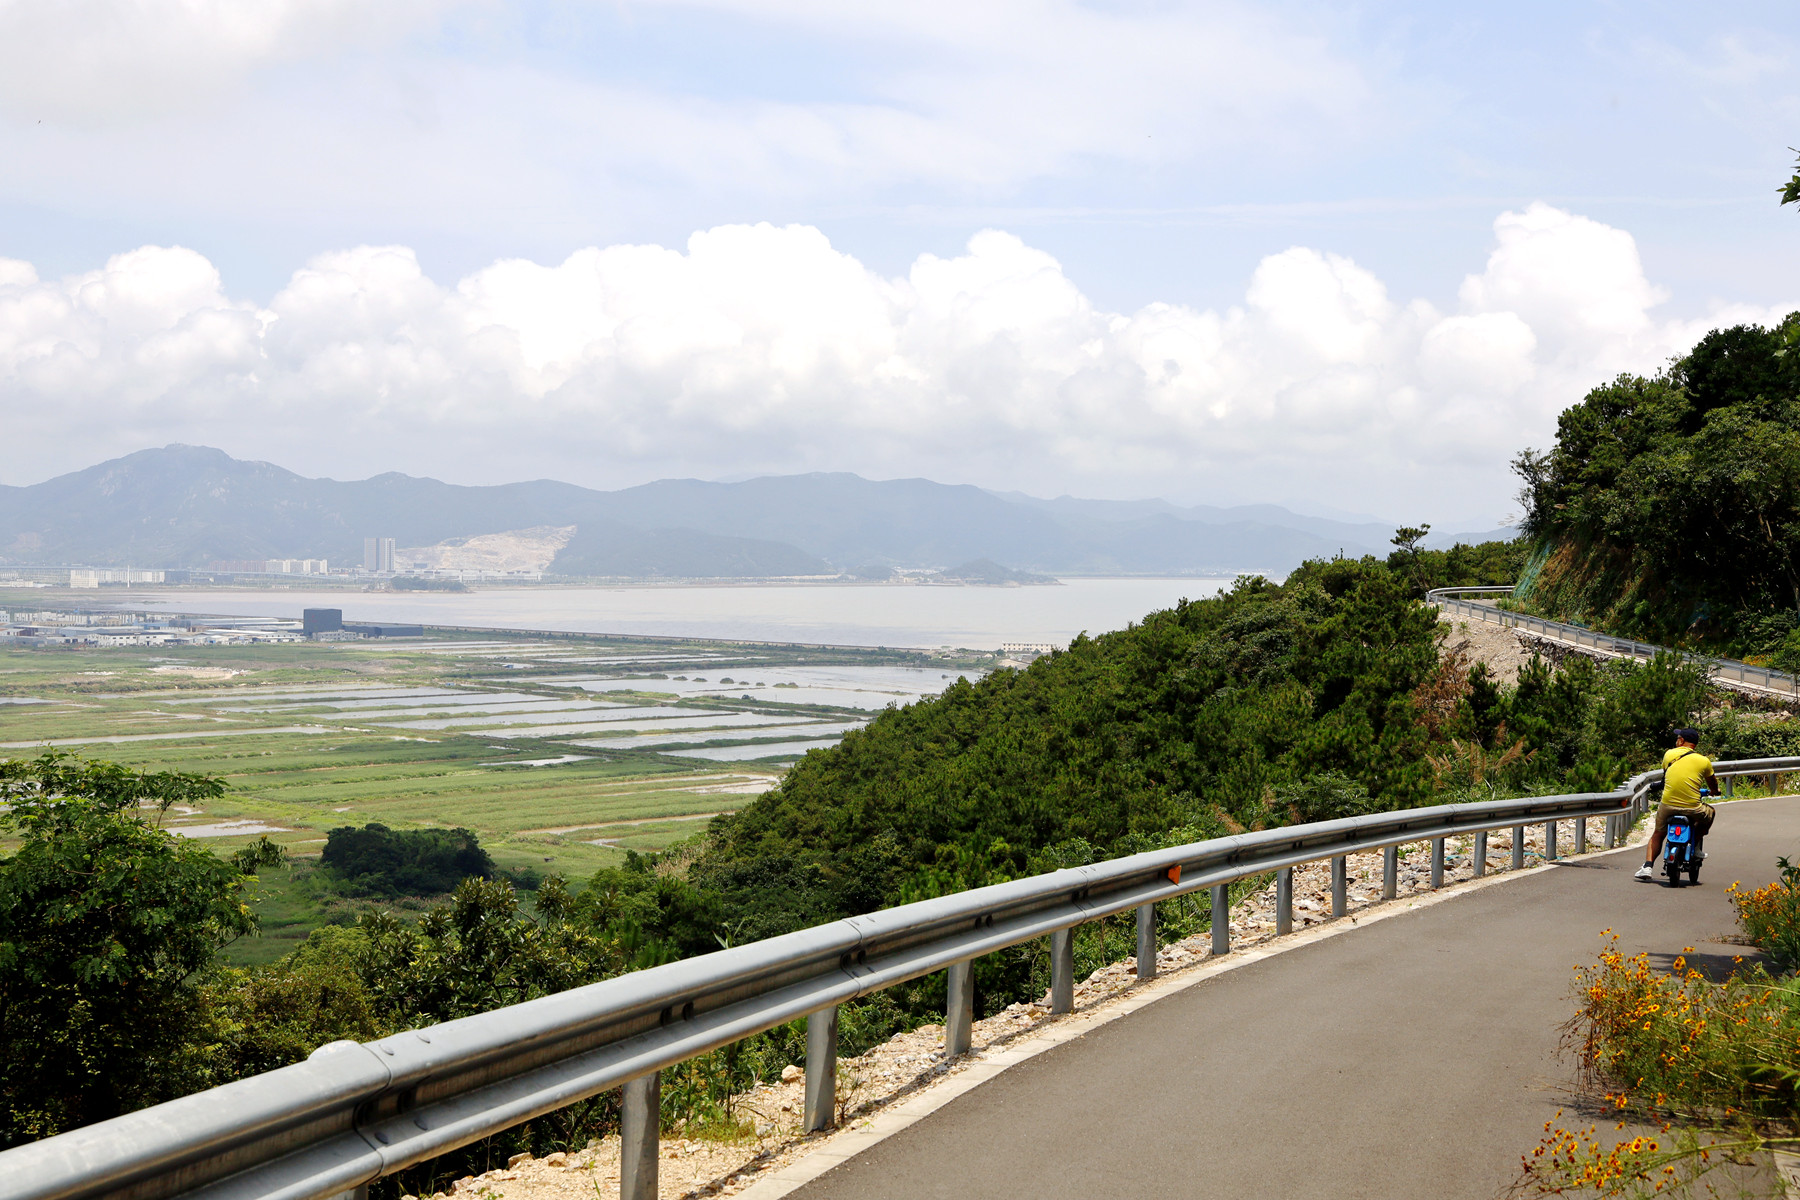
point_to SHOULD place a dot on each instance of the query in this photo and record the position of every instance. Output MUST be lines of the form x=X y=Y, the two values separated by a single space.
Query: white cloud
x=198 y=106
x=101 y=61
x=757 y=348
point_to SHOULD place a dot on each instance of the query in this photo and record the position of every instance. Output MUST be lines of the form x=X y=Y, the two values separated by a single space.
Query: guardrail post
x=1727 y=782
x=1340 y=885
x=1221 y=920
x=1284 y=900
x=1518 y=848
x=1480 y=853
x=1390 y=872
x=1612 y=830
x=1146 y=955
x=959 y=1008
x=1437 y=863
x=639 y=1123
x=1062 y=971
x=821 y=1070
x=1581 y=835
x=1550 y=840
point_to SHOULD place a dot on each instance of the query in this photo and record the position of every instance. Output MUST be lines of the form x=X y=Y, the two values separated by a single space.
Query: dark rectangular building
x=321 y=620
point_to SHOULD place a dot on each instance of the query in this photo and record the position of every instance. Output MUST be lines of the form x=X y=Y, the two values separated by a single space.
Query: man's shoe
x=1645 y=872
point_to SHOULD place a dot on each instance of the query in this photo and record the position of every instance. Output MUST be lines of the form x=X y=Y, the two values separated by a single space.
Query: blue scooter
x=1681 y=849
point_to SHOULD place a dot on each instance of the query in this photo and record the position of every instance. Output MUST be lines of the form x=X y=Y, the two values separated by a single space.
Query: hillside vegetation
x=1321 y=697
x=1669 y=507
x=1324 y=696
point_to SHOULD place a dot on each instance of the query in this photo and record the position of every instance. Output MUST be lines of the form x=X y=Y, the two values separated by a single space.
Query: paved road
x=1416 y=1057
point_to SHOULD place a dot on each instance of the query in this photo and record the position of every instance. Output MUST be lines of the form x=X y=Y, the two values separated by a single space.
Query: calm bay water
x=849 y=614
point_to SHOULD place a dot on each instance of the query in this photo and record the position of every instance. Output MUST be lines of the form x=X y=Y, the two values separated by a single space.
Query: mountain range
x=187 y=506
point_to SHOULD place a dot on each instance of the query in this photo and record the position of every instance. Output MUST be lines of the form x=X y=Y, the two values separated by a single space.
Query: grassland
x=519 y=743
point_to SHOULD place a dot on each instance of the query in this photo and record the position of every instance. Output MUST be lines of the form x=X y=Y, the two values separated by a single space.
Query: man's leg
x=1656 y=840
x=1657 y=833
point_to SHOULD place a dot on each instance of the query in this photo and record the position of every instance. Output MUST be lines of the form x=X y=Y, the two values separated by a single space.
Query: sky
x=1347 y=257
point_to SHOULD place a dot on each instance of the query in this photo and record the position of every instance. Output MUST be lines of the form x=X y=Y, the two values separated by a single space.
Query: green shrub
x=1770 y=916
x=378 y=861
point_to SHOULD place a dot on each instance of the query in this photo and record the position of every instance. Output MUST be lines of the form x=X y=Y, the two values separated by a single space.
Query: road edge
x=873 y=1130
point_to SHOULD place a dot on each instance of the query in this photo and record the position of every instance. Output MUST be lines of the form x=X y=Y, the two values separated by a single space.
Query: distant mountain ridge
x=187 y=506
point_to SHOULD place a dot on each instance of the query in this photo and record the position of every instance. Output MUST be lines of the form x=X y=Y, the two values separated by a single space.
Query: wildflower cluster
x=1680 y=1045
x=1721 y=1058
x=1770 y=916
x=1671 y=1162
x=1570 y=1161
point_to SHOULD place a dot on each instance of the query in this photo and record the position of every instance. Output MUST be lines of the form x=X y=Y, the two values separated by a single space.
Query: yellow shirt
x=1683 y=771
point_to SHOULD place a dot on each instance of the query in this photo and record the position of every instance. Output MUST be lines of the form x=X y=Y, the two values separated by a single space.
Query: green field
x=309 y=736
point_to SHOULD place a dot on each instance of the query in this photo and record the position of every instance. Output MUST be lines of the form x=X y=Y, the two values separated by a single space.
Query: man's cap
x=1688 y=735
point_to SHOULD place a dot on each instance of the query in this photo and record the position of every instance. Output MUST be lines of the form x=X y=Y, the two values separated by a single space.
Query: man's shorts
x=1702 y=816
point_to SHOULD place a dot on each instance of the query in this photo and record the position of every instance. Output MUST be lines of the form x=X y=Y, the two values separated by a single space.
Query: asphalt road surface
x=1417 y=1057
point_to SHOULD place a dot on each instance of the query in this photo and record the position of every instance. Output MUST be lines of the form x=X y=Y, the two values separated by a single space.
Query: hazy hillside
x=186 y=506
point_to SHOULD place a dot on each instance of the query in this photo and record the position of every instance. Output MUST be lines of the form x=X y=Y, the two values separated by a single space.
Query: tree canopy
x=378 y=861
x=1669 y=506
x=106 y=925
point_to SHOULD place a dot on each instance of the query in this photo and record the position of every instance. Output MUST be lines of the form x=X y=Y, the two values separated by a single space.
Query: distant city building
x=93 y=577
x=314 y=621
x=1026 y=651
x=378 y=554
x=271 y=566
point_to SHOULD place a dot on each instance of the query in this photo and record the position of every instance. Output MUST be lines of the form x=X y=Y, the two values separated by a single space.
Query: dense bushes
x=1324 y=696
x=1187 y=719
x=378 y=861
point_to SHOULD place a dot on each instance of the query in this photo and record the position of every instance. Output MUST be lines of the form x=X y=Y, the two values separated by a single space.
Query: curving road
x=1416 y=1057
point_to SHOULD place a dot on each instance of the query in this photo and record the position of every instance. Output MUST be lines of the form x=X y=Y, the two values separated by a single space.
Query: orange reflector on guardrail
x=1174 y=873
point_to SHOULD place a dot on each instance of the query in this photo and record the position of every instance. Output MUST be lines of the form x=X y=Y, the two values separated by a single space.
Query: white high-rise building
x=378 y=554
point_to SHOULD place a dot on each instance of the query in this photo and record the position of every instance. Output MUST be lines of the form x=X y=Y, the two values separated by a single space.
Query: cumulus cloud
x=766 y=349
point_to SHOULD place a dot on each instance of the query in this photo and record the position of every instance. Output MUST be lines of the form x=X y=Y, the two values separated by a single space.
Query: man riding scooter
x=1687 y=776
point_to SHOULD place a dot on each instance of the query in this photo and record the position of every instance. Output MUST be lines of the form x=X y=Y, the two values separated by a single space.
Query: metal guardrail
x=354 y=1112
x=1460 y=600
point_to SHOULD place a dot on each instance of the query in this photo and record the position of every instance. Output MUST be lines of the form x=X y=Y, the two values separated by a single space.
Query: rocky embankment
x=1504 y=650
x=911 y=1064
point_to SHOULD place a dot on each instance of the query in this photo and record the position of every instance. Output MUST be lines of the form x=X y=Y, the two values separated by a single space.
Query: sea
x=928 y=616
